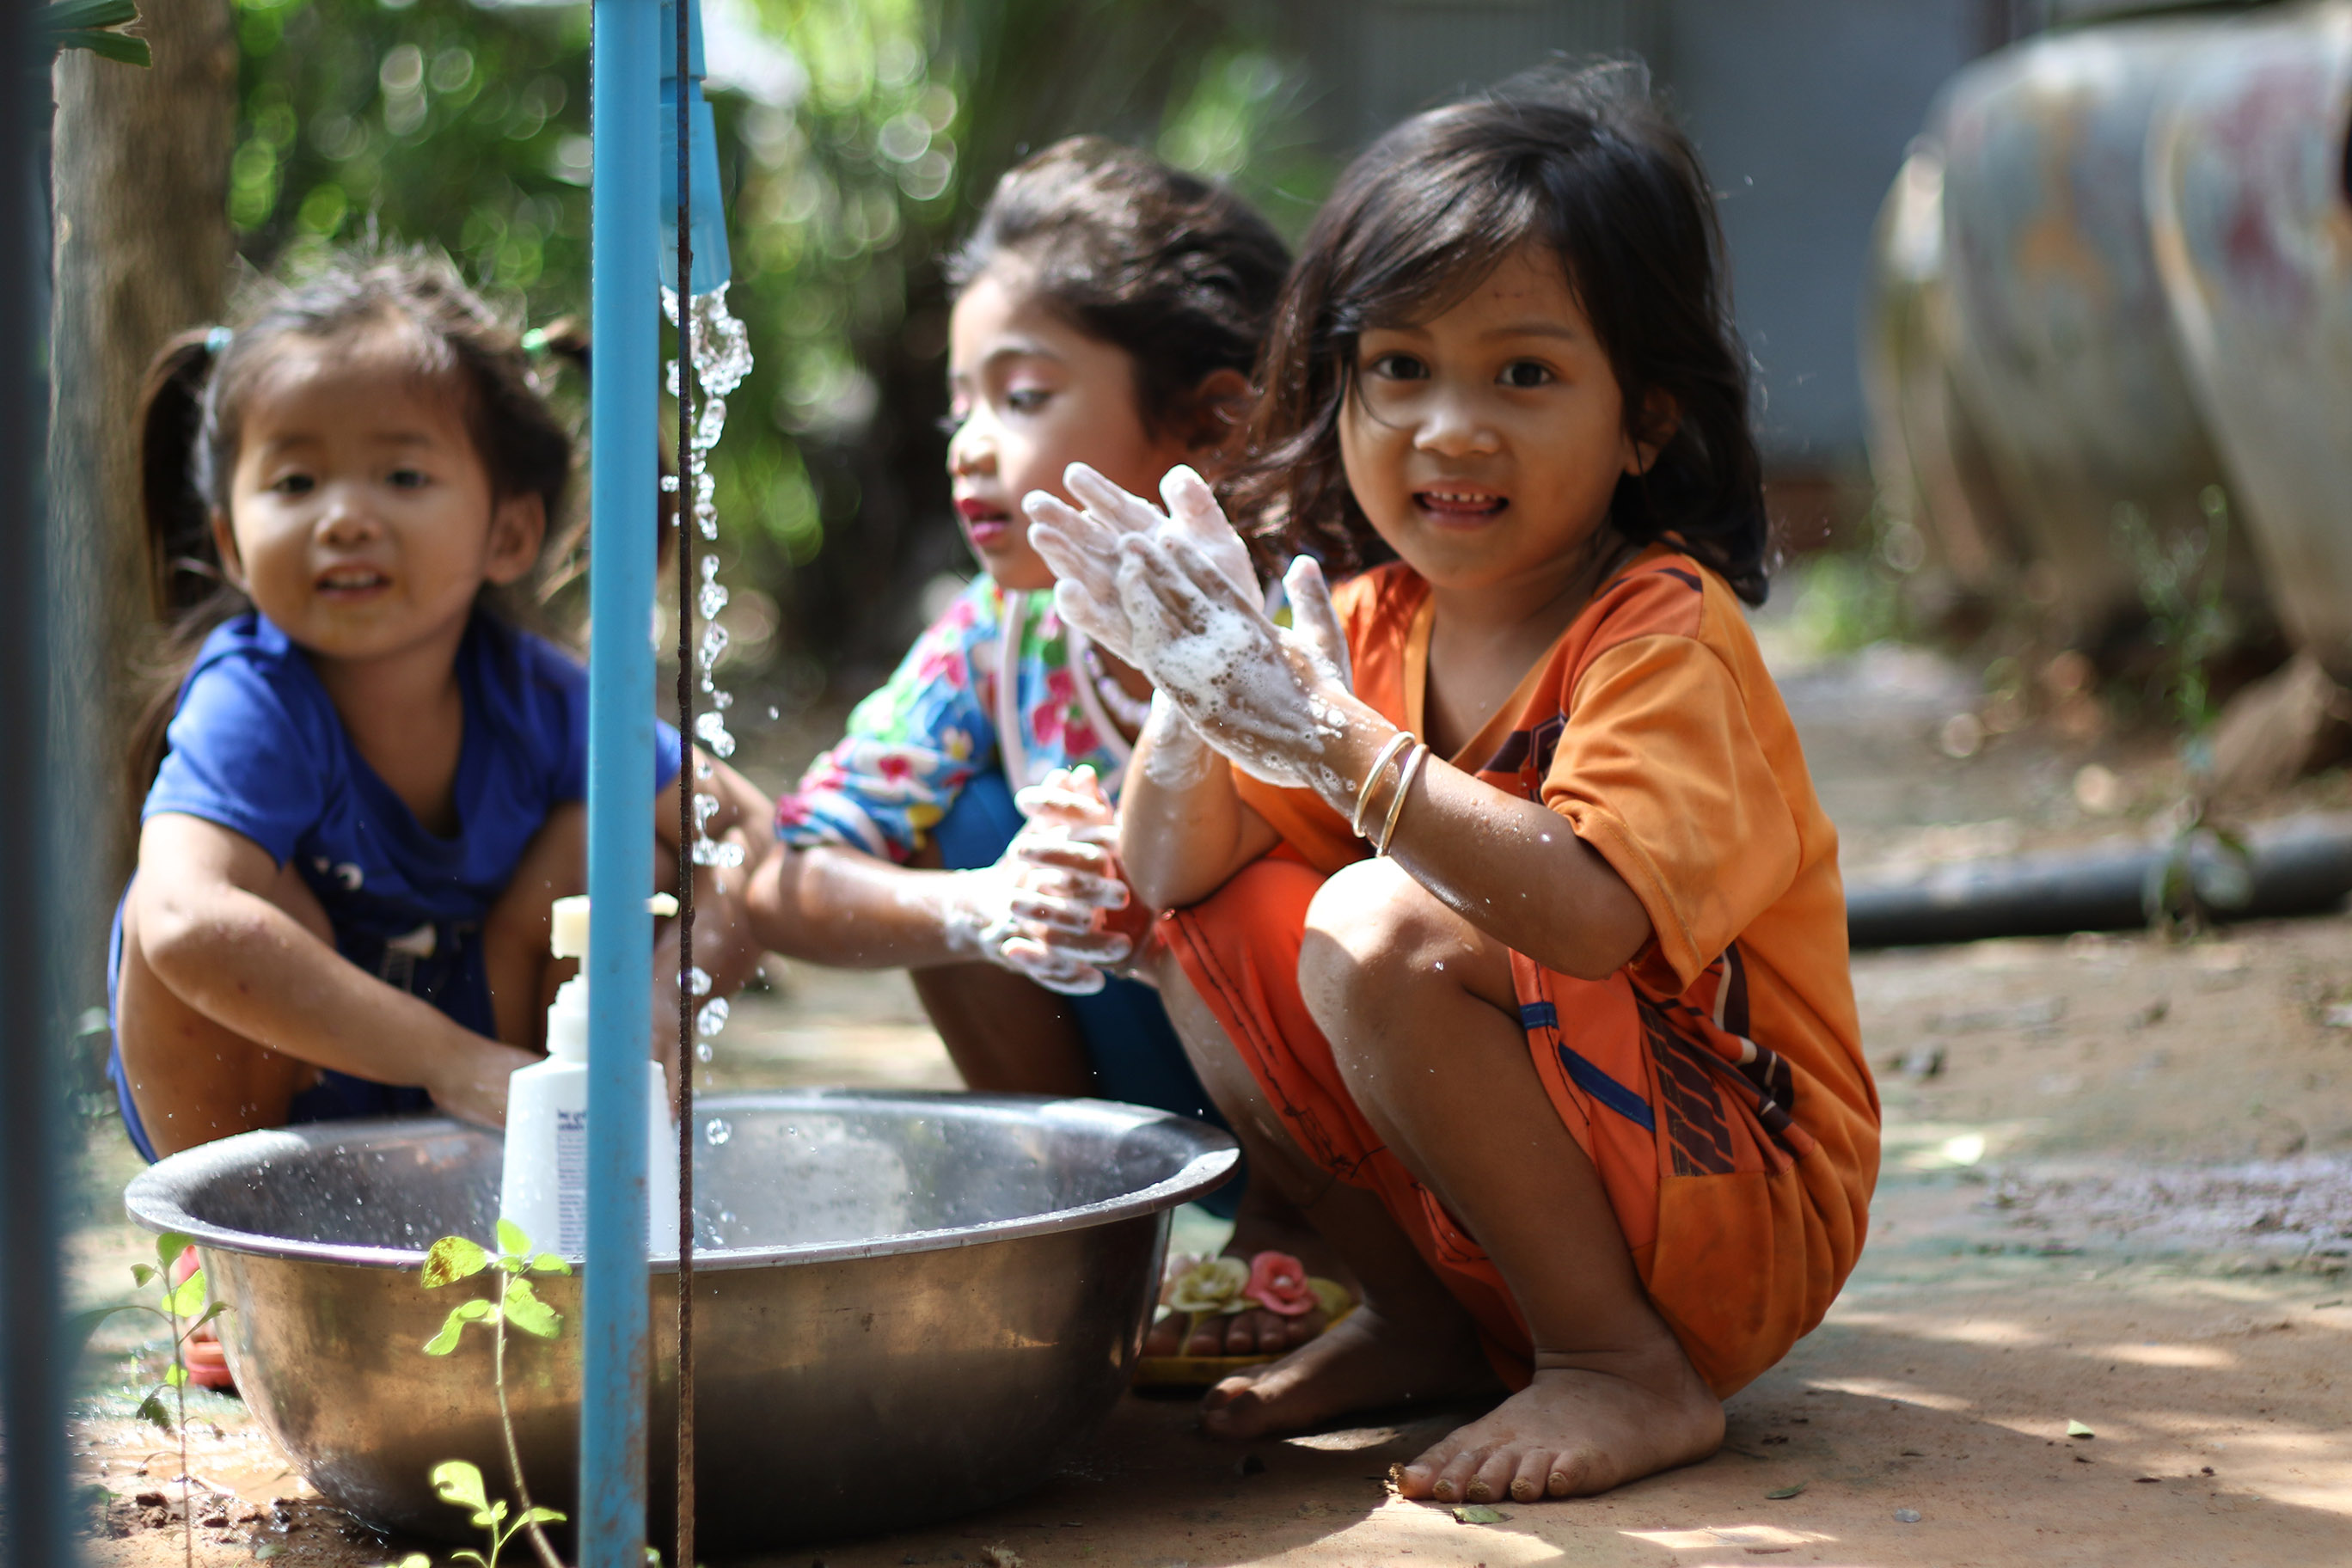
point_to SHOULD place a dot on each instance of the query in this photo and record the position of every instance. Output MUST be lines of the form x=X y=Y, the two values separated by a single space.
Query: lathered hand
x=1040 y=910
x=1081 y=547
x=1273 y=702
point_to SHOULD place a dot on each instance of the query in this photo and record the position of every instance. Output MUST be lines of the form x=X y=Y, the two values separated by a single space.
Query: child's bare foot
x=1365 y=1360
x=1586 y=1423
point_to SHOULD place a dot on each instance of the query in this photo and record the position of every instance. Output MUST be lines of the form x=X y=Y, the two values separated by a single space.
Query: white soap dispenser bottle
x=545 y=1188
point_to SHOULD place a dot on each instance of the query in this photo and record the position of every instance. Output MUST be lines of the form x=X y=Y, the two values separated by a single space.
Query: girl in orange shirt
x=1504 y=924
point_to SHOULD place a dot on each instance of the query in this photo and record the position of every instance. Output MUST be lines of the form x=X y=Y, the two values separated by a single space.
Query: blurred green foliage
x=856 y=138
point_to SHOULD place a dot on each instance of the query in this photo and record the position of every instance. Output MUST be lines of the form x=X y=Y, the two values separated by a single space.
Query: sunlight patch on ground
x=2163 y=1355
x=1709 y=1537
x=1887 y=1388
x=1925 y=1146
x=1352 y=1440
x=1921 y=1326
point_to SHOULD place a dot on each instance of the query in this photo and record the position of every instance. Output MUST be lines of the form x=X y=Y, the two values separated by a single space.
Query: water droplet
x=713 y=1016
x=716 y=1131
x=702 y=1050
x=698 y=980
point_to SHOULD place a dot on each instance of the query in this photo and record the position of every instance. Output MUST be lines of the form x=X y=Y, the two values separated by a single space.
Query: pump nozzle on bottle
x=545 y=1185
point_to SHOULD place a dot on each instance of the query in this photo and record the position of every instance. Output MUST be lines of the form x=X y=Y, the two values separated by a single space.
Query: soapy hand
x=1081 y=547
x=1172 y=594
x=1276 y=703
x=1047 y=909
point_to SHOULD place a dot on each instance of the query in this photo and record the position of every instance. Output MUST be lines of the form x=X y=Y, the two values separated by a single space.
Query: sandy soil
x=2117 y=1192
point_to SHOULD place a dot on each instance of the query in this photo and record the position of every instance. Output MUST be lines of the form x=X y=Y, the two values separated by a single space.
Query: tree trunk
x=139 y=181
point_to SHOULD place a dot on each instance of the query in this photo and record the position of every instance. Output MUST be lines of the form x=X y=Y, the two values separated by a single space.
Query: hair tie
x=217 y=340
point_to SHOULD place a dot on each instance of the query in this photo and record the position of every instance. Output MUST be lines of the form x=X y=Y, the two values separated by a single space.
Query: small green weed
x=175 y=1304
x=513 y=1302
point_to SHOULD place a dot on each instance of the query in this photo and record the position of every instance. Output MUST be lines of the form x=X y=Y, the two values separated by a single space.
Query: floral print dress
x=997 y=682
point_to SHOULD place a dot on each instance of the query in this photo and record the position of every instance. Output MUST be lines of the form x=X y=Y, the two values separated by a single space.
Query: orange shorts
x=1718 y=1191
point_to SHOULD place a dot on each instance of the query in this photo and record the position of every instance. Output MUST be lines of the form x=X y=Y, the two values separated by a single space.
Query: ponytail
x=566 y=338
x=189 y=591
x=177 y=515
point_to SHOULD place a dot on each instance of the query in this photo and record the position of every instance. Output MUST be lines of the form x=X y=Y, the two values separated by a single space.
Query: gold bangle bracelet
x=1396 y=742
x=1396 y=804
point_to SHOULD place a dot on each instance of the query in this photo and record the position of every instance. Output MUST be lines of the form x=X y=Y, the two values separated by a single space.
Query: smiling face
x=1030 y=394
x=360 y=517
x=1484 y=444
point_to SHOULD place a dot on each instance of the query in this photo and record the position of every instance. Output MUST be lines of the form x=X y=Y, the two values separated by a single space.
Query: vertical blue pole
x=624 y=412
x=45 y=845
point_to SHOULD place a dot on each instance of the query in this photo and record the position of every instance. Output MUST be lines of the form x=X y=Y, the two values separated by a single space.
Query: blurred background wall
x=859 y=136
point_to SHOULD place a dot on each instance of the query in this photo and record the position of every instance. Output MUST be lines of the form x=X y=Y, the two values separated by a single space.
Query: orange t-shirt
x=1655 y=729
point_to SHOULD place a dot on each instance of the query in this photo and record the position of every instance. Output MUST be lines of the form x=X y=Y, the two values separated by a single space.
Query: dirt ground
x=2117 y=1192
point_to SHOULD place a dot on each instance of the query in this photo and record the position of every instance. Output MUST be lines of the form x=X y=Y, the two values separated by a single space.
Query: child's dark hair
x=1178 y=272
x=192 y=413
x=1582 y=162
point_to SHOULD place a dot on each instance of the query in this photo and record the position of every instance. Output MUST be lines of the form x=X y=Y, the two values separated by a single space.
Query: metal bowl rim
x=153 y=1197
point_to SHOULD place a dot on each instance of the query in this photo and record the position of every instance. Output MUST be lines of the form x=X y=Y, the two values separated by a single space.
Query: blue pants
x=1130 y=1045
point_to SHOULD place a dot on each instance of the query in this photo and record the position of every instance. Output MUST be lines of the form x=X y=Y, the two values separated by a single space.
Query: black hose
x=2299 y=865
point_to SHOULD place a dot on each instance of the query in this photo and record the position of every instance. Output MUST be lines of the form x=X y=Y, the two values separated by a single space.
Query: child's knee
x=1372 y=933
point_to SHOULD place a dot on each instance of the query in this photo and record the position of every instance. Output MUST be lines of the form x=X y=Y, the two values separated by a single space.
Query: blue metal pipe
x=706 y=211
x=624 y=226
x=45 y=845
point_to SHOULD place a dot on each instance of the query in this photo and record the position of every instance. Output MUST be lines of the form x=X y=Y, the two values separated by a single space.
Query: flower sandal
x=201 y=1351
x=1204 y=1287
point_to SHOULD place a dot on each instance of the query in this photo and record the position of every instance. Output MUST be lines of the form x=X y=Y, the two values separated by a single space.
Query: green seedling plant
x=177 y=1305
x=513 y=1303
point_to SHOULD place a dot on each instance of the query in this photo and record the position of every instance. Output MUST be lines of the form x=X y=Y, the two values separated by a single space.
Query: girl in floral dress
x=1109 y=311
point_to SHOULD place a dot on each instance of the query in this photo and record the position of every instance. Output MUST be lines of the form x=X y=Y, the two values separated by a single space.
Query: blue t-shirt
x=256 y=746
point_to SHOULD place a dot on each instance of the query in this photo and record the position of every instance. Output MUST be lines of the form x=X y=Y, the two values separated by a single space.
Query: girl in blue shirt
x=369 y=788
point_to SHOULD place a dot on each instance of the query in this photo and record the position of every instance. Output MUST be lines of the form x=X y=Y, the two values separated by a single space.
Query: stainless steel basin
x=908 y=1305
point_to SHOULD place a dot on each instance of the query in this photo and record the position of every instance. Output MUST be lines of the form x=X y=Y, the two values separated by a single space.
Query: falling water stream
x=721 y=359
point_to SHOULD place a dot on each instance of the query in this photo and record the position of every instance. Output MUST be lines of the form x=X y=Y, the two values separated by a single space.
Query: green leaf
x=175 y=1376
x=141 y=1272
x=453 y=1258
x=168 y=1247
x=215 y=1311
x=92 y=14
x=511 y=1240
x=1783 y=1494
x=453 y=1325
x=153 y=1411
x=188 y=1297
x=542 y=1516
x=2076 y=1430
x=460 y=1484
x=526 y=1311
x=1479 y=1513
x=414 y=1560
x=117 y=46
x=81 y=1325
x=549 y=1263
